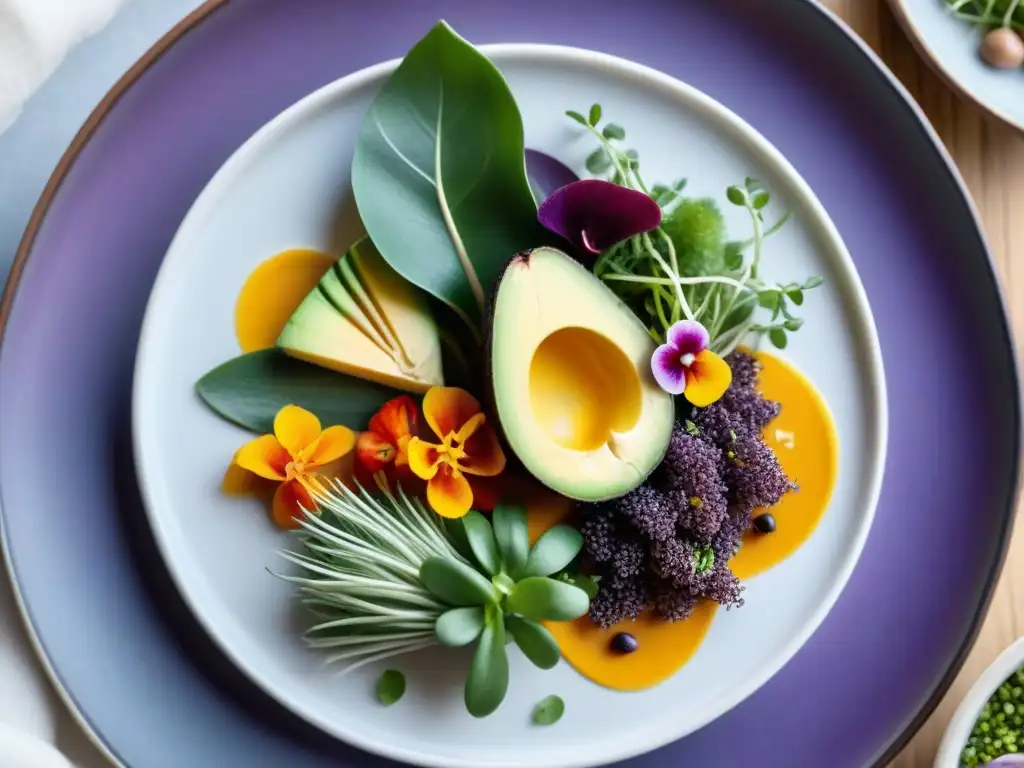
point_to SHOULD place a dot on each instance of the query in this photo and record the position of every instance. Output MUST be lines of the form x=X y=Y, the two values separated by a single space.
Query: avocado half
x=571 y=379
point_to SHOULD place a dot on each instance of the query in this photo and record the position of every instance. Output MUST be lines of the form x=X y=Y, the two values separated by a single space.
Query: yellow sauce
x=273 y=292
x=803 y=437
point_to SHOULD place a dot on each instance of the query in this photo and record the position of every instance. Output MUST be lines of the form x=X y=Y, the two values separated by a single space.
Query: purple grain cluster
x=667 y=544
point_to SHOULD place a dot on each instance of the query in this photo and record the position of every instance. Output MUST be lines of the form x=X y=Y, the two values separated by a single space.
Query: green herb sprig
x=386 y=576
x=647 y=272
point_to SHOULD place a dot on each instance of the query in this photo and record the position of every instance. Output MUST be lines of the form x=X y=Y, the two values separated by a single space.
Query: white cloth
x=28 y=708
x=35 y=35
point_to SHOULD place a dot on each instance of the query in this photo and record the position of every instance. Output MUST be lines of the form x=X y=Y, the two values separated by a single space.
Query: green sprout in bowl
x=1002 y=20
x=999 y=729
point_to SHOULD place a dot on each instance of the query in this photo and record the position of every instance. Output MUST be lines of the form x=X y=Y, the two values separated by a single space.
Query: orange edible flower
x=468 y=446
x=384 y=449
x=288 y=456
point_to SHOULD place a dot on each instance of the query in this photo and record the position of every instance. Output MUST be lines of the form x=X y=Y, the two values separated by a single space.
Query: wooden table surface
x=991 y=159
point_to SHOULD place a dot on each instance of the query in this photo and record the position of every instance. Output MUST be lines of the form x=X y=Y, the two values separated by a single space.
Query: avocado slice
x=571 y=379
x=362 y=319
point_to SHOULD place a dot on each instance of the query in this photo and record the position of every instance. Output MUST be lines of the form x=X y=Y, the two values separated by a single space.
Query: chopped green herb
x=390 y=687
x=548 y=711
x=998 y=730
x=704 y=559
x=691 y=428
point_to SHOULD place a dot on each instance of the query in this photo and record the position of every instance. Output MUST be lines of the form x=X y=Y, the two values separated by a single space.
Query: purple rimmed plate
x=76 y=544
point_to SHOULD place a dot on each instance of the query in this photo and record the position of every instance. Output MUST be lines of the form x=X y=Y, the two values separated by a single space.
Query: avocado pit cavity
x=583 y=389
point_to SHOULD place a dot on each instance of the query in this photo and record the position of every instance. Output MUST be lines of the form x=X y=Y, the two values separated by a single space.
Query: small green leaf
x=796 y=296
x=761 y=200
x=249 y=391
x=780 y=307
x=613 y=131
x=679 y=185
x=390 y=687
x=634 y=157
x=778 y=338
x=577 y=117
x=481 y=541
x=587 y=583
x=538 y=597
x=736 y=196
x=793 y=324
x=733 y=256
x=769 y=299
x=548 y=711
x=813 y=282
x=534 y=640
x=691 y=428
x=598 y=161
x=751 y=183
x=704 y=559
x=457 y=532
x=459 y=626
x=512 y=532
x=554 y=550
x=595 y=114
x=740 y=314
x=487 y=681
x=455 y=582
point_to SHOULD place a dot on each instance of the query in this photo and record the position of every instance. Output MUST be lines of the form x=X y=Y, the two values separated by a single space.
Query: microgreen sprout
x=646 y=270
x=990 y=13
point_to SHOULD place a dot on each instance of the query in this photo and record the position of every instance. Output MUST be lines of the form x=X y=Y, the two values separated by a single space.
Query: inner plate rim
x=859 y=312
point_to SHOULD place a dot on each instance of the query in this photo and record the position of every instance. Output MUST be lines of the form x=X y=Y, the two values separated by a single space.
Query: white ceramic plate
x=950 y=45
x=289 y=186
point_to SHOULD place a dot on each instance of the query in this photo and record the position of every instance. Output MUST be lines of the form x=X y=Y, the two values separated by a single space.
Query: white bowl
x=966 y=715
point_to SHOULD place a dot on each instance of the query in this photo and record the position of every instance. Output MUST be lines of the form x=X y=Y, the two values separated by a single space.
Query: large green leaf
x=439 y=174
x=487 y=681
x=249 y=391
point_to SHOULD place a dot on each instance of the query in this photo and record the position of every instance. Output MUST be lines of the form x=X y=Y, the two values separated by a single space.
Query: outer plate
x=288 y=186
x=76 y=539
x=950 y=46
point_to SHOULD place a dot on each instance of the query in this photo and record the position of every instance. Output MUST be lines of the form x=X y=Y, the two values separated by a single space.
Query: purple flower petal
x=688 y=337
x=594 y=215
x=668 y=370
x=546 y=174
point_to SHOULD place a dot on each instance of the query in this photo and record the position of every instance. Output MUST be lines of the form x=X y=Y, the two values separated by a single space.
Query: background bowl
x=962 y=723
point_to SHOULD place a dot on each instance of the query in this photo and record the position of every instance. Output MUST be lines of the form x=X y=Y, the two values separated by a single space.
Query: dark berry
x=764 y=523
x=624 y=643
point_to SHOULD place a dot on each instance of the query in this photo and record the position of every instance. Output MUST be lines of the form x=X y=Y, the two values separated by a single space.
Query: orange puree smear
x=804 y=438
x=273 y=292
